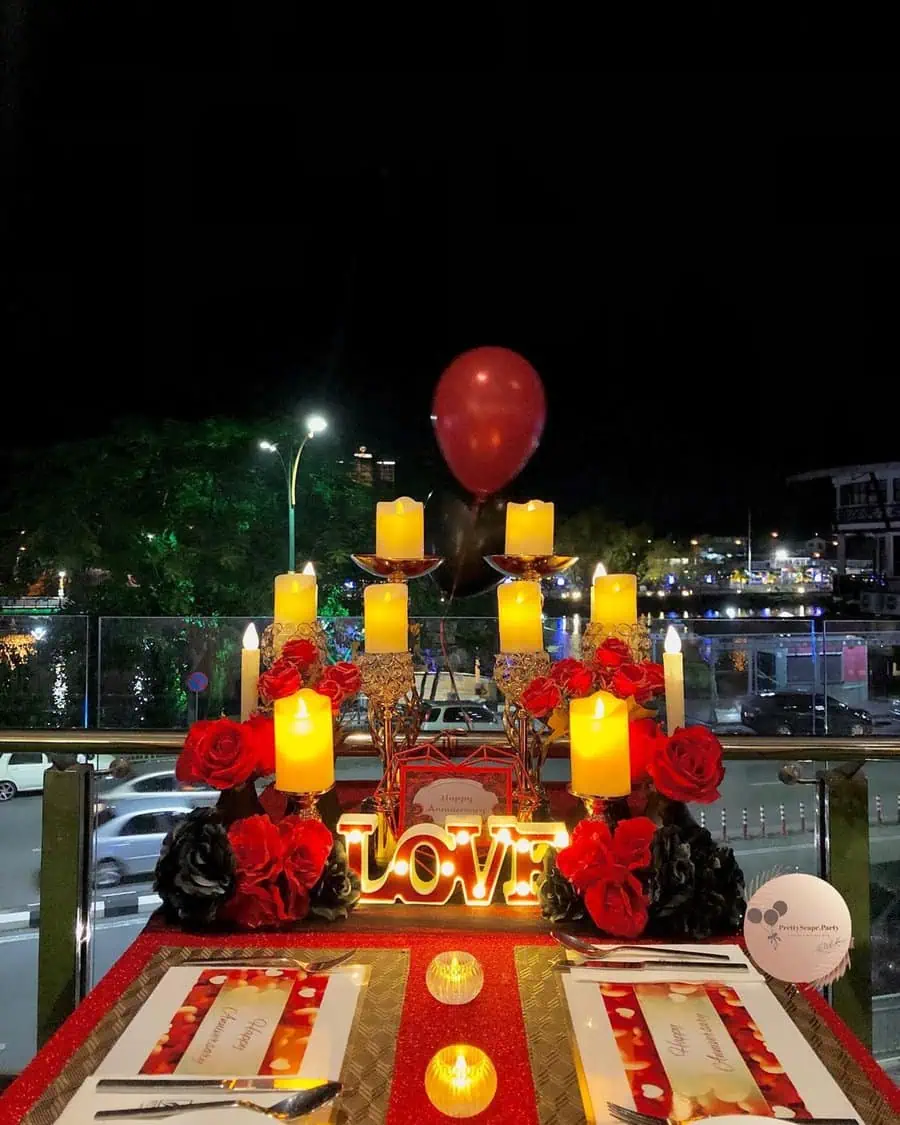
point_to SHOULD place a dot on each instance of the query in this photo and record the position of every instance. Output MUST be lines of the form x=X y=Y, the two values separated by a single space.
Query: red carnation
x=260 y=731
x=306 y=845
x=646 y=739
x=689 y=767
x=301 y=653
x=258 y=849
x=617 y=904
x=280 y=680
x=541 y=697
x=254 y=906
x=218 y=753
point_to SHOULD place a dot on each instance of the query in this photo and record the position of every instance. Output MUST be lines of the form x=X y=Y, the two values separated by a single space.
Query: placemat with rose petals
x=560 y=1086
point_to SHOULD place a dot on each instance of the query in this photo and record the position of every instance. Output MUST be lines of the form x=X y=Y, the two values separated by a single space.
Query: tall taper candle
x=249 y=672
x=673 y=666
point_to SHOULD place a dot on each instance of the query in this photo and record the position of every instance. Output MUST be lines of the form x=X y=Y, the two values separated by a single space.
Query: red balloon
x=488 y=413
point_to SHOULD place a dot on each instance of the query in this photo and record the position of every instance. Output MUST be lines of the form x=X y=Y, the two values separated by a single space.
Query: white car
x=148 y=782
x=22 y=771
x=459 y=715
x=129 y=844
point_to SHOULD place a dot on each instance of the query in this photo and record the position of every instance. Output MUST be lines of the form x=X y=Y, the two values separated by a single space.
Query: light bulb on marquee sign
x=454 y=860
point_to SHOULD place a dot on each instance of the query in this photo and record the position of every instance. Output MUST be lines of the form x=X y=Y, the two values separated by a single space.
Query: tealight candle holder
x=460 y=1080
x=455 y=977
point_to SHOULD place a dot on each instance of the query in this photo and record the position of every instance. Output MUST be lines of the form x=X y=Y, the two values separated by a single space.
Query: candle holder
x=277 y=635
x=530 y=567
x=455 y=977
x=397 y=570
x=513 y=672
x=306 y=805
x=636 y=636
x=460 y=1080
x=594 y=804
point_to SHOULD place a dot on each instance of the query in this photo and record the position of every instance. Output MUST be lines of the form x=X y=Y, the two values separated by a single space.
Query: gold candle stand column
x=596 y=633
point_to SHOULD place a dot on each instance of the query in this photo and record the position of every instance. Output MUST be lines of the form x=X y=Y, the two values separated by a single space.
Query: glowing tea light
x=249 y=672
x=673 y=666
x=460 y=1081
x=296 y=597
x=454 y=978
x=613 y=598
x=529 y=528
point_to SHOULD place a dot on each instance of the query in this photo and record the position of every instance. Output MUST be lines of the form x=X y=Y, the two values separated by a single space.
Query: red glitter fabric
x=493 y=1021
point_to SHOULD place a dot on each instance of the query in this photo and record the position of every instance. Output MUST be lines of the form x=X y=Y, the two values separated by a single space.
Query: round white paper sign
x=797 y=928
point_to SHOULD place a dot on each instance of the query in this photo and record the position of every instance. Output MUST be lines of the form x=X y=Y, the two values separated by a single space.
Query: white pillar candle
x=673 y=666
x=249 y=672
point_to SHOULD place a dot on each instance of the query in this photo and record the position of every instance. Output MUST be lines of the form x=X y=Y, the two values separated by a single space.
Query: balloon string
x=476 y=510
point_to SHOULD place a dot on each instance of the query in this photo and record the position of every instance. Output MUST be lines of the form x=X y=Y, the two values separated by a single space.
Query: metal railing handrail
x=737 y=748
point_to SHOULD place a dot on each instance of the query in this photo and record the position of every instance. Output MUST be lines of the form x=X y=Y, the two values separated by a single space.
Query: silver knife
x=706 y=966
x=186 y=1085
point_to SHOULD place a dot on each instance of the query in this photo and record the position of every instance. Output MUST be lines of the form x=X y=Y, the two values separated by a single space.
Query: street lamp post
x=315 y=424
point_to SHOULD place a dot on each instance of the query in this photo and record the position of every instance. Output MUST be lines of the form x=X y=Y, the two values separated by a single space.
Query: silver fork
x=633 y=1117
x=321 y=966
x=589 y=949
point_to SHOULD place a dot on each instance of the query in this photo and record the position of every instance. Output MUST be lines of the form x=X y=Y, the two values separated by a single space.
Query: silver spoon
x=291 y=1108
x=274 y=962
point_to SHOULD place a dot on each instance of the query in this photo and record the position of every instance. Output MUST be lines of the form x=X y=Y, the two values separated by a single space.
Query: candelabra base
x=594 y=804
x=306 y=805
x=636 y=636
x=397 y=570
x=530 y=567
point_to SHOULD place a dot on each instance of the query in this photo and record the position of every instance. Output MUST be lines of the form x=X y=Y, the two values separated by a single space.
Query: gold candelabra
x=636 y=636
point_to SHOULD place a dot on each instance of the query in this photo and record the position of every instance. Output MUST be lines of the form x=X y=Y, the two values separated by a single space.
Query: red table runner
x=493 y=1021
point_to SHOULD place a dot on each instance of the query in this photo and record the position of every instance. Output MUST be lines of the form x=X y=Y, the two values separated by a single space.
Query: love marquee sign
x=467 y=852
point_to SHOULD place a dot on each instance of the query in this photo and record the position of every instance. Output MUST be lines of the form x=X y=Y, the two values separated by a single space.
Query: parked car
x=148 y=781
x=459 y=715
x=128 y=844
x=800 y=712
x=22 y=771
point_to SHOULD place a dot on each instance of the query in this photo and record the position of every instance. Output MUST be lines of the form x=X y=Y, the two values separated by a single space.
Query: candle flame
x=460 y=1071
x=599 y=571
x=302 y=711
x=309 y=569
x=400 y=505
x=672 y=642
x=251 y=637
x=531 y=506
x=599 y=709
x=454 y=964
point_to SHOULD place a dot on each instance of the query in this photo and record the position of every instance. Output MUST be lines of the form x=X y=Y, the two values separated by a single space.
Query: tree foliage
x=178 y=518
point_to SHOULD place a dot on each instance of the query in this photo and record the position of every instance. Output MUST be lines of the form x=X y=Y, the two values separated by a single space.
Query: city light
x=315 y=424
x=268 y=446
x=774 y=534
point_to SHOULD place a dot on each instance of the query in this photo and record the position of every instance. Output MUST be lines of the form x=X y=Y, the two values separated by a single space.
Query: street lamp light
x=315 y=424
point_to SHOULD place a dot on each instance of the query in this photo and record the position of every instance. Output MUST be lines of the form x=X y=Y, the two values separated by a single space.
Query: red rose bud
x=617 y=904
x=218 y=753
x=281 y=680
x=301 y=653
x=689 y=767
x=541 y=697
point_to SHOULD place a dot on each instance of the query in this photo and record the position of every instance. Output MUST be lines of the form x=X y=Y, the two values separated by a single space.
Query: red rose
x=617 y=904
x=333 y=690
x=296 y=901
x=573 y=676
x=280 y=680
x=612 y=653
x=306 y=845
x=260 y=732
x=345 y=674
x=301 y=653
x=258 y=849
x=254 y=906
x=588 y=855
x=217 y=753
x=642 y=681
x=689 y=767
x=631 y=842
x=646 y=739
x=541 y=697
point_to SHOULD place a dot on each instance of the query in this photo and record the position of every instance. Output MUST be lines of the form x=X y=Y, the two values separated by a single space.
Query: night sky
x=708 y=288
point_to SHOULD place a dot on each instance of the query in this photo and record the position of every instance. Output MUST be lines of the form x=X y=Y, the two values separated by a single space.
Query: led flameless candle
x=386 y=617
x=460 y=1081
x=455 y=977
x=519 y=614
x=296 y=597
x=304 y=743
x=400 y=529
x=598 y=740
x=249 y=672
x=613 y=598
x=529 y=528
x=673 y=666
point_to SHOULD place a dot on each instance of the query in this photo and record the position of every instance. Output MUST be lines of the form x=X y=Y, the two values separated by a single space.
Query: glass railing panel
x=861 y=683
x=44 y=670
x=884 y=886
